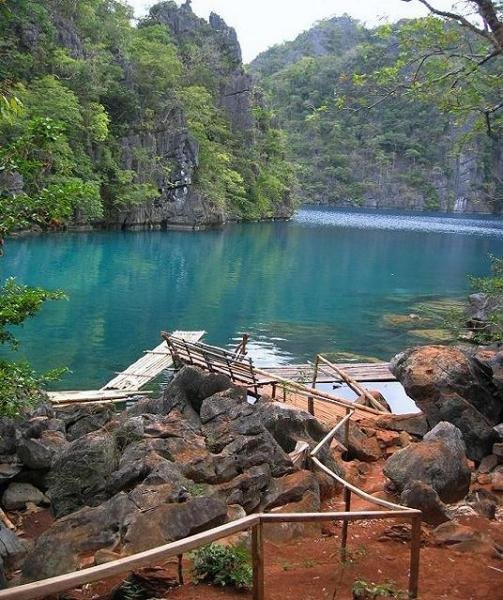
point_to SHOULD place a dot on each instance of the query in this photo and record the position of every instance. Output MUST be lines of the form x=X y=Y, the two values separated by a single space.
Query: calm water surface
x=320 y=283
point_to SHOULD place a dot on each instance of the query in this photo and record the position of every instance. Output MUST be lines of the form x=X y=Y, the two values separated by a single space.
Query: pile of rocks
x=160 y=471
x=457 y=468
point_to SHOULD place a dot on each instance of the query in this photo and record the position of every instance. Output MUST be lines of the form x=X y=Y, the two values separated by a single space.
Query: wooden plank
x=68 y=397
x=258 y=562
x=150 y=365
x=361 y=372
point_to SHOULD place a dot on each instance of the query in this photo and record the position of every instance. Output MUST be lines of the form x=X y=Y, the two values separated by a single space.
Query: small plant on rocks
x=223 y=565
x=363 y=590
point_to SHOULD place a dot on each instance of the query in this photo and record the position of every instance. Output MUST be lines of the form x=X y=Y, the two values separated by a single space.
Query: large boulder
x=450 y=385
x=290 y=488
x=79 y=475
x=39 y=453
x=137 y=521
x=439 y=461
x=422 y=496
x=12 y=550
x=18 y=495
x=190 y=387
x=414 y=424
x=81 y=419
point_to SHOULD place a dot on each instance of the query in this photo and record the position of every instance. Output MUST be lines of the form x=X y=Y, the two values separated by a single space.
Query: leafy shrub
x=223 y=565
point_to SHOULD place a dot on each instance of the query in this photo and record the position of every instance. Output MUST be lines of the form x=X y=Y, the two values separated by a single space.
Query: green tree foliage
x=362 y=125
x=85 y=78
x=492 y=287
x=19 y=384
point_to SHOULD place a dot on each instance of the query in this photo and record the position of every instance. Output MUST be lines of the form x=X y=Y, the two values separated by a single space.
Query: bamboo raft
x=362 y=372
x=129 y=382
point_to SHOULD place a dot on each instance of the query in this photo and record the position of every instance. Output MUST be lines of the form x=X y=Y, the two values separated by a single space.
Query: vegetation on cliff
x=401 y=115
x=86 y=92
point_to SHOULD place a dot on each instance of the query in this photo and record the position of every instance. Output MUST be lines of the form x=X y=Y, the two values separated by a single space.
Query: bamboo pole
x=330 y=434
x=353 y=384
x=310 y=401
x=317 y=394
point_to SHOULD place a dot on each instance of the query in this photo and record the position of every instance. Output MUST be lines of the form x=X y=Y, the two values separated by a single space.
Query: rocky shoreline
x=200 y=456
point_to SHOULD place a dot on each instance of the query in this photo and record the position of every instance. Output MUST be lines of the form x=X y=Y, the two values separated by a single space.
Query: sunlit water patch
x=434 y=223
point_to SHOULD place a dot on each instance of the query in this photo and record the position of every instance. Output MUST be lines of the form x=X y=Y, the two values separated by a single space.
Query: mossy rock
x=349 y=357
x=396 y=320
x=433 y=335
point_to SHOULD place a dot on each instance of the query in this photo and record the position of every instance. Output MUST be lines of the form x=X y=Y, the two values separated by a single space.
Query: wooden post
x=180 y=569
x=346 y=432
x=254 y=377
x=415 y=548
x=258 y=562
x=310 y=401
x=345 y=524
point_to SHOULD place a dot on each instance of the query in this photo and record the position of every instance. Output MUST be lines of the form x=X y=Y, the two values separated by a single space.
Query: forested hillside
x=155 y=125
x=357 y=142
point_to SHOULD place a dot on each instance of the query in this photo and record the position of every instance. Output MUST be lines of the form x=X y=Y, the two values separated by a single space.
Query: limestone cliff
x=158 y=125
x=398 y=154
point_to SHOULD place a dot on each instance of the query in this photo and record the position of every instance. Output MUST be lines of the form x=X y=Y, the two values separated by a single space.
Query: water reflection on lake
x=320 y=283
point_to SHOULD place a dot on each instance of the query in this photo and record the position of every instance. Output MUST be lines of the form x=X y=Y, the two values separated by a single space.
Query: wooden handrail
x=61 y=583
x=352 y=384
x=330 y=434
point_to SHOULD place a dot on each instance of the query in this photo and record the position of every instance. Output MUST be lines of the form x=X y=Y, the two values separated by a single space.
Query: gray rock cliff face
x=167 y=158
x=171 y=154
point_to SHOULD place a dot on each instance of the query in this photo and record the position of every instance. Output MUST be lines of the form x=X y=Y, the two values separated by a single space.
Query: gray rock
x=448 y=434
x=415 y=424
x=8 y=471
x=169 y=522
x=120 y=520
x=80 y=473
x=189 y=388
x=80 y=420
x=37 y=425
x=483 y=502
x=17 y=495
x=498 y=450
x=8 y=436
x=39 y=453
x=289 y=488
x=440 y=462
x=422 y=496
x=12 y=548
x=247 y=489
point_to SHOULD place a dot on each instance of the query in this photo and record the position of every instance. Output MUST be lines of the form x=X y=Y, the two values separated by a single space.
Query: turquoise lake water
x=319 y=283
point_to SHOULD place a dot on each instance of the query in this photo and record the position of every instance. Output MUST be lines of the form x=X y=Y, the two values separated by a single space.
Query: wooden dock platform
x=150 y=365
x=362 y=372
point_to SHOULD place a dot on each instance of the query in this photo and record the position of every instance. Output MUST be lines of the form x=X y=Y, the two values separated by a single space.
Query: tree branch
x=487 y=12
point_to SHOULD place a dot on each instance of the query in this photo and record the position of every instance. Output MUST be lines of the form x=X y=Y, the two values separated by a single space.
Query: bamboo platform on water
x=150 y=365
x=361 y=372
x=129 y=382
